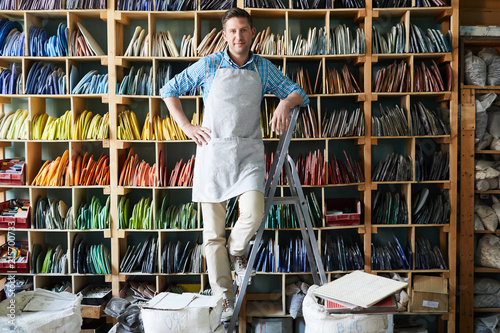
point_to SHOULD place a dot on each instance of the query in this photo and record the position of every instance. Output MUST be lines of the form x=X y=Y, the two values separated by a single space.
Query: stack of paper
x=176 y=5
x=358 y=291
x=141 y=258
x=315 y=44
x=216 y=4
x=267 y=43
x=85 y=4
x=89 y=258
x=137 y=82
x=345 y=4
x=179 y=258
x=164 y=45
x=11 y=80
x=8 y=4
x=433 y=42
x=42 y=45
x=264 y=4
x=342 y=254
x=391 y=3
x=211 y=43
x=40 y=5
x=343 y=42
x=83 y=44
x=11 y=38
x=394 y=43
x=43 y=79
x=139 y=44
x=138 y=5
x=342 y=123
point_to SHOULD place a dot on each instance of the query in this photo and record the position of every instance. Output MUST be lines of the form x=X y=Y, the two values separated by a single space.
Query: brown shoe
x=240 y=266
x=227 y=309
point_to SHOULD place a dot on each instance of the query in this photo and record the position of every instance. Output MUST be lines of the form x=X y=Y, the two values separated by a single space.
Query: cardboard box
x=184 y=313
x=272 y=325
x=12 y=172
x=95 y=295
x=21 y=264
x=341 y=204
x=480 y=30
x=473 y=30
x=93 y=311
x=429 y=294
x=20 y=220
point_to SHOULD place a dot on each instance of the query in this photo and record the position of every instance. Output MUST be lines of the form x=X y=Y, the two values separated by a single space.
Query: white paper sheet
x=360 y=288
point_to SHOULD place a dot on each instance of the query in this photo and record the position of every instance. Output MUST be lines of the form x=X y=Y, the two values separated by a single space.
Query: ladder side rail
x=280 y=155
x=307 y=243
x=290 y=172
x=305 y=220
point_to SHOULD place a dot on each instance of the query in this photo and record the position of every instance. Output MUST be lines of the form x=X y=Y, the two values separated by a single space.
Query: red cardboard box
x=343 y=219
x=17 y=266
x=21 y=219
x=12 y=172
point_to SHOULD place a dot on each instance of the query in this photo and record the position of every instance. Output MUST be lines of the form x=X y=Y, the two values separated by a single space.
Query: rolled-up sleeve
x=190 y=78
x=280 y=85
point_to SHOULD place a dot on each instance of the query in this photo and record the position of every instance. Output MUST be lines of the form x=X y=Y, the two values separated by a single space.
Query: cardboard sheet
x=360 y=288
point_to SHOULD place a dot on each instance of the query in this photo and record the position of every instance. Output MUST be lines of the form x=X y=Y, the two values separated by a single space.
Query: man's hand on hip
x=199 y=134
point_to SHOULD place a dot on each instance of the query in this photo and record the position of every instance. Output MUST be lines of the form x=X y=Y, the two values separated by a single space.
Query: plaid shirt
x=202 y=74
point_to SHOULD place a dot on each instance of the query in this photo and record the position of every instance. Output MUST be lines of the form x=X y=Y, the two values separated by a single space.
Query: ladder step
x=285 y=200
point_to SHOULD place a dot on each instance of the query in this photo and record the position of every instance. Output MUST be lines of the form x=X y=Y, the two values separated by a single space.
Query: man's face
x=238 y=35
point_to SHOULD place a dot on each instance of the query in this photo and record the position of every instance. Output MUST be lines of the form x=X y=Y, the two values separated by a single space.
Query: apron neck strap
x=253 y=63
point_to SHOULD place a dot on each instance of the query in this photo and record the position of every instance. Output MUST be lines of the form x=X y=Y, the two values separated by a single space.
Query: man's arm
x=197 y=133
x=290 y=93
x=279 y=122
x=191 y=77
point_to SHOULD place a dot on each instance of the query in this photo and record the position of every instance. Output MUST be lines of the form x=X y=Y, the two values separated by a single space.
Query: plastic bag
x=487 y=324
x=295 y=293
x=486 y=286
x=128 y=316
x=488 y=216
x=483 y=102
x=475 y=70
x=296 y=304
x=478 y=224
x=492 y=60
x=486 y=301
x=485 y=141
x=116 y=306
x=488 y=251
x=493 y=120
x=481 y=124
x=483 y=165
x=131 y=319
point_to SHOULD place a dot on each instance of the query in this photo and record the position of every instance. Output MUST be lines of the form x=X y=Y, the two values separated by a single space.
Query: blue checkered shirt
x=202 y=73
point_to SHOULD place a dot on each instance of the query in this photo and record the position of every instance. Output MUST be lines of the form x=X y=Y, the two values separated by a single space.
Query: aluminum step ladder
x=297 y=199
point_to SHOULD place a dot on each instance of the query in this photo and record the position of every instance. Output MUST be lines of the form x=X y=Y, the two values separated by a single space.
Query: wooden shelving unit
x=468 y=192
x=368 y=149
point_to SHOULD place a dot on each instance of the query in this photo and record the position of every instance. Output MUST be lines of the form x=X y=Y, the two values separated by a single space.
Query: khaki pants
x=251 y=207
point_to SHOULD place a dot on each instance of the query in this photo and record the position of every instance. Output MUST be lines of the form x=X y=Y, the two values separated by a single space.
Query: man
x=230 y=152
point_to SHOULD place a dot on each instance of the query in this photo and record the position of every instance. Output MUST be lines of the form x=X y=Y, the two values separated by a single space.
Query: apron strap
x=253 y=63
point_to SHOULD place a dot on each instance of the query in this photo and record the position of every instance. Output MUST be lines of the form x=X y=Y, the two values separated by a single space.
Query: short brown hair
x=236 y=12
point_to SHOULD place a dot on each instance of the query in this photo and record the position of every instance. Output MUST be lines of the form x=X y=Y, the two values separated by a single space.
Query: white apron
x=233 y=160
